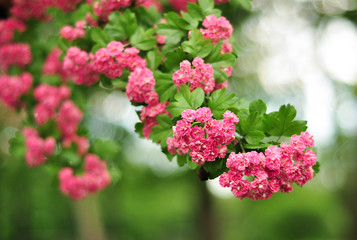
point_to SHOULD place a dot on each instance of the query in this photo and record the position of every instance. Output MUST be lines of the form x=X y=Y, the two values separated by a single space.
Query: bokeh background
x=302 y=52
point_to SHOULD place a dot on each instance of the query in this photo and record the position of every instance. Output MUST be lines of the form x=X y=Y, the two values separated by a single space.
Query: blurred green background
x=302 y=52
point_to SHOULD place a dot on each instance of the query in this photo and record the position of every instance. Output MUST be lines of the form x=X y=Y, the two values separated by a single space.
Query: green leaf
x=246 y=4
x=193 y=23
x=281 y=123
x=51 y=80
x=173 y=59
x=186 y=100
x=257 y=106
x=115 y=32
x=105 y=82
x=219 y=75
x=139 y=126
x=154 y=58
x=115 y=173
x=195 y=12
x=254 y=137
x=63 y=44
x=219 y=102
x=222 y=60
x=161 y=132
x=215 y=168
x=121 y=26
x=119 y=83
x=192 y=165
x=49 y=129
x=174 y=30
x=17 y=146
x=148 y=17
x=250 y=127
x=197 y=46
x=105 y=149
x=70 y=156
x=98 y=36
x=206 y=4
x=316 y=168
x=182 y=160
x=165 y=87
x=207 y=7
x=143 y=40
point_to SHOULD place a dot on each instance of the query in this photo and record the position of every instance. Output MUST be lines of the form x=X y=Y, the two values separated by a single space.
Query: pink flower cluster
x=96 y=177
x=113 y=59
x=53 y=65
x=227 y=48
x=7 y=29
x=141 y=86
x=79 y=65
x=149 y=3
x=81 y=142
x=275 y=170
x=15 y=54
x=65 y=5
x=71 y=33
x=217 y=28
x=13 y=87
x=49 y=98
x=199 y=76
x=38 y=149
x=103 y=8
x=181 y=5
x=206 y=138
x=148 y=115
x=69 y=117
x=25 y=9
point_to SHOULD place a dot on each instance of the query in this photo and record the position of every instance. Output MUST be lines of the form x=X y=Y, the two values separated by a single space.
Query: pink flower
x=203 y=143
x=8 y=28
x=189 y=115
x=79 y=65
x=71 y=33
x=113 y=59
x=274 y=171
x=13 y=87
x=200 y=76
x=53 y=65
x=38 y=149
x=216 y=28
x=141 y=86
x=95 y=178
x=148 y=116
x=15 y=54
x=49 y=98
x=69 y=117
x=103 y=8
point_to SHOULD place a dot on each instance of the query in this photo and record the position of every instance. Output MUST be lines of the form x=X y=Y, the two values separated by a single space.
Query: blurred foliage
x=144 y=205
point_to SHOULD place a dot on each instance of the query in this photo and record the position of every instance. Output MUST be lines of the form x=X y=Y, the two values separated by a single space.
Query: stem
x=88 y=219
x=241 y=145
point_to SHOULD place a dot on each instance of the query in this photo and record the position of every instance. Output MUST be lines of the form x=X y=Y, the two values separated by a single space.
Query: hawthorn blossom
x=13 y=87
x=203 y=143
x=95 y=178
x=216 y=28
x=199 y=76
x=113 y=59
x=37 y=149
x=275 y=169
x=79 y=65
